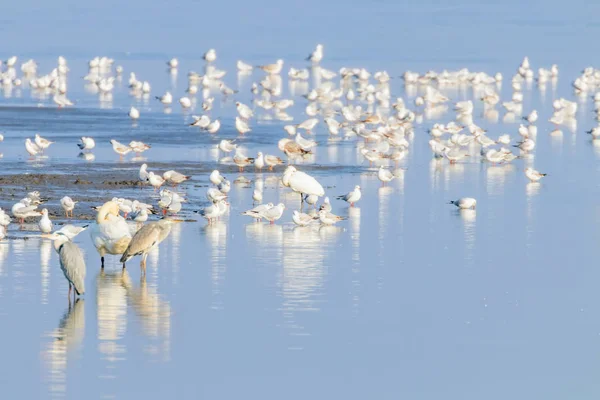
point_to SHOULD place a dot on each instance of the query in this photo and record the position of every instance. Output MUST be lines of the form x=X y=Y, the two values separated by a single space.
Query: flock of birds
x=361 y=108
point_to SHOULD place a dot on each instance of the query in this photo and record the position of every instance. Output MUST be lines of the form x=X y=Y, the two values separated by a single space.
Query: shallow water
x=407 y=298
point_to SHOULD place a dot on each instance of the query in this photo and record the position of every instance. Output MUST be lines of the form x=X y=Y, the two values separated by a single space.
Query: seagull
x=352 y=197
x=465 y=203
x=120 y=148
x=301 y=219
x=256 y=211
x=214 y=195
x=527 y=145
x=533 y=175
x=308 y=125
x=272 y=69
x=203 y=122
x=31 y=147
x=174 y=177
x=384 y=175
x=214 y=211
x=134 y=113
x=241 y=126
x=273 y=214
x=45 y=224
x=243 y=67
x=214 y=126
x=326 y=205
x=244 y=111
x=155 y=180
x=42 y=143
x=227 y=91
x=166 y=98
x=504 y=139
x=306 y=144
x=210 y=55
x=173 y=63
x=61 y=100
x=227 y=146
x=139 y=147
x=185 y=102
x=272 y=161
x=259 y=161
x=143 y=174
x=87 y=143
x=316 y=56
x=68 y=205
x=216 y=178
x=328 y=218
x=241 y=160
x=532 y=117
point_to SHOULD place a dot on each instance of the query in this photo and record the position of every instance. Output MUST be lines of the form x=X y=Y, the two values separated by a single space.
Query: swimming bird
x=302 y=183
x=328 y=218
x=384 y=175
x=465 y=203
x=45 y=223
x=533 y=175
x=42 y=143
x=120 y=148
x=72 y=263
x=174 y=177
x=352 y=196
x=87 y=143
x=134 y=113
x=68 y=205
x=110 y=234
x=147 y=238
x=302 y=219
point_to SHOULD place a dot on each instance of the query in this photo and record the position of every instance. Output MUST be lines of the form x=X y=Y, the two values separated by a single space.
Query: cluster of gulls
x=360 y=108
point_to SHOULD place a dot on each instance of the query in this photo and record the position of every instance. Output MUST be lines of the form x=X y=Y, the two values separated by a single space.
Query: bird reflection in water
x=469 y=218
x=216 y=235
x=65 y=340
x=45 y=254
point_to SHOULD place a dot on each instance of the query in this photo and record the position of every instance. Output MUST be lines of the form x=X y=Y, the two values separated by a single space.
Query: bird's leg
x=69 y=295
x=143 y=264
x=271 y=222
x=102 y=261
x=351 y=204
x=124 y=266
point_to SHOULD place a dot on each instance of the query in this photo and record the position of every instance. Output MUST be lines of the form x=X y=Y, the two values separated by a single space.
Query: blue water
x=407 y=298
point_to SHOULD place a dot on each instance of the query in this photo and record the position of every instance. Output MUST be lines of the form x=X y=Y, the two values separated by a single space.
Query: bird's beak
x=177 y=221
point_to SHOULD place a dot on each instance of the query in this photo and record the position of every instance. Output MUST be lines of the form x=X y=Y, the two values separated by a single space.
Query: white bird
x=70 y=231
x=174 y=177
x=212 y=212
x=24 y=209
x=185 y=102
x=533 y=175
x=214 y=195
x=120 y=148
x=308 y=125
x=166 y=98
x=31 y=147
x=110 y=234
x=61 y=100
x=326 y=205
x=256 y=211
x=272 y=69
x=134 y=113
x=68 y=205
x=465 y=203
x=227 y=146
x=316 y=56
x=257 y=196
x=241 y=160
x=225 y=90
x=87 y=143
x=139 y=147
x=214 y=126
x=203 y=121
x=173 y=63
x=301 y=219
x=259 y=161
x=532 y=117
x=42 y=143
x=306 y=144
x=384 y=175
x=352 y=197
x=328 y=218
x=241 y=126
x=143 y=174
x=302 y=183
x=155 y=180
x=273 y=214
x=244 y=111
x=210 y=55
x=527 y=145
x=243 y=67
x=216 y=178
x=45 y=224
x=272 y=161
x=504 y=139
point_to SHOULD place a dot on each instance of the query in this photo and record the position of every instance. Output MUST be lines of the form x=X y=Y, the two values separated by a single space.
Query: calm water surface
x=408 y=298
